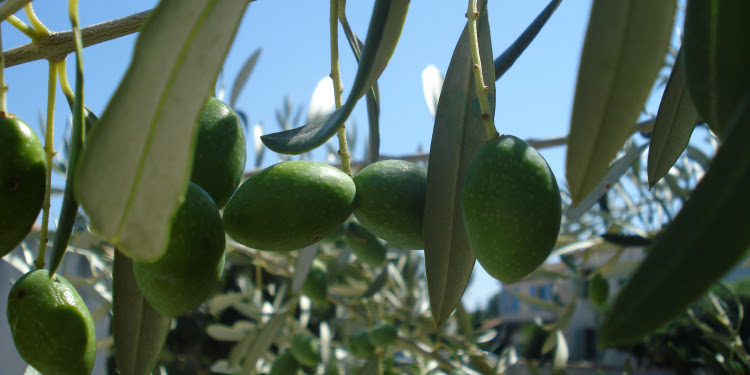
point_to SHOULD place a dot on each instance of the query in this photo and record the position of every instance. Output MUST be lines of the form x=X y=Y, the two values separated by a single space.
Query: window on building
x=545 y=292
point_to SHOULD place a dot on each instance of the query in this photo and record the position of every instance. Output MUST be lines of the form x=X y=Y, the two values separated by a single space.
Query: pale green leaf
x=675 y=121
x=322 y=100
x=457 y=135
x=624 y=50
x=560 y=361
x=262 y=341
x=432 y=83
x=302 y=266
x=387 y=21
x=139 y=331
x=135 y=168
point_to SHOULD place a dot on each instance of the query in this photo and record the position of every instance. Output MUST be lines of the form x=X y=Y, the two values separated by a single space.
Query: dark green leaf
x=674 y=124
x=385 y=29
x=705 y=240
x=512 y=53
x=717 y=57
x=139 y=331
x=625 y=45
x=457 y=135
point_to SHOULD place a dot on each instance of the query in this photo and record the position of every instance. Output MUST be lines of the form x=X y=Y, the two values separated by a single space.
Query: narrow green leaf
x=372 y=97
x=717 y=57
x=514 y=51
x=616 y=170
x=136 y=165
x=377 y=284
x=705 y=240
x=139 y=331
x=675 y=121
x=243 y=76
x=69 y=209
x=624 y=50
x=262 y=341
x=302 y=266
x=535 y=301
x=387 y=21
x=457 y=135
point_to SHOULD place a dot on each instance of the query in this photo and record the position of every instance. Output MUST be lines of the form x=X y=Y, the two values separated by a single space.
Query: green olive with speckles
x=390 y=201
x=51 y=327
x=220 y=152
x=22 y=181
x=194 y=261
x=511 y=207
x=289 y=205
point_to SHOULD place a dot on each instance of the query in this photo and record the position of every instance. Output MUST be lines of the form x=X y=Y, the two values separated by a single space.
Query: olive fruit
x=22 y=181
x=52 y=328
x=511 y=208
x=368 y=248
x=598 y=290
x=289 y=205
x=306 y=349
x=383 y=335
x=220 y=153
x=360 y=345
x=284 y=364
x=315 y=286
x=194 y=261
x=390 y=201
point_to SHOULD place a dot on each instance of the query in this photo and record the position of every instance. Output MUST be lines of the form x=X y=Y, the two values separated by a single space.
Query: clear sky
x=534 y=99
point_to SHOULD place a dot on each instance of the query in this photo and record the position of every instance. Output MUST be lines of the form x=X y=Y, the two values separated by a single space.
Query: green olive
x=220 y=152
x=52 y=328
x=289 y=206
x=22 y=181
x=511 y=208
x=194 y=261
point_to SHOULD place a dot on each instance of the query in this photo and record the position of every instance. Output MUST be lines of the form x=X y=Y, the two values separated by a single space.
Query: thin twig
x=58 y=45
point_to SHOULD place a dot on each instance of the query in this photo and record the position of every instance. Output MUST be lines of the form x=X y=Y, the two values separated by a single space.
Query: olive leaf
x=624 y=50
x=69 y=209
x=262 y=341
x=372 y=97
x=432 y=83
x=139 y=331
x=387 y=21
x=134 y=171
x=243 y=76
x=674 y=124
x=322 y=100
x=514 y=51
x=458 y=133
x=717 y=57
x=699 y=246
x=302 y=266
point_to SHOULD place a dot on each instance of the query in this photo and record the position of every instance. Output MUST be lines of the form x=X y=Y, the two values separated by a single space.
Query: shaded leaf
x=242 y=77
x=625 y=45
x=140 y=332
x=385 y=29
x=457 y=135
x=699 y=246
x=616 y=170
x=135 y=168
x=674 y=124
x=717 y=57
x=302 y=266
x=514 y=51
x=377 y=284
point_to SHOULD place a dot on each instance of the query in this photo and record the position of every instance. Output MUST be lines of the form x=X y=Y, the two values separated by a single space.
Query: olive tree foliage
x=676 y=199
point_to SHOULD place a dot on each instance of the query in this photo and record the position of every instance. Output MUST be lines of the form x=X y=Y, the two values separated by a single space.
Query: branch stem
x=23 y=27
x=49 y=151
x=338 y=87
x=56 y=46
x=3 y=91
x=481 y=87
x=9 y=7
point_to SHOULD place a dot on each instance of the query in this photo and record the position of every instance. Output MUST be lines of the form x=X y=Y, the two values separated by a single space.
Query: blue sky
x=534 y=99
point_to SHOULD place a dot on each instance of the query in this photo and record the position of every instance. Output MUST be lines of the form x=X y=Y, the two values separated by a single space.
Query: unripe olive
x=289 y=205
x=511 y=208
x=22 y=181
x=52 y=328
